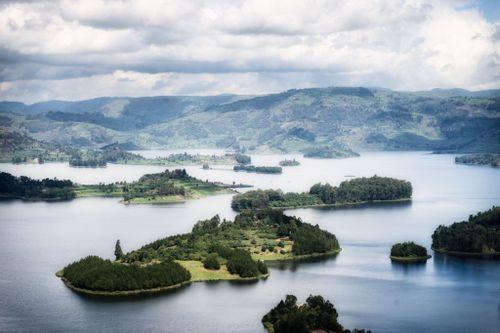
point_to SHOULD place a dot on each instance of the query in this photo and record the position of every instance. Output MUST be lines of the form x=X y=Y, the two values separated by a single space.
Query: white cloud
x=247 y=46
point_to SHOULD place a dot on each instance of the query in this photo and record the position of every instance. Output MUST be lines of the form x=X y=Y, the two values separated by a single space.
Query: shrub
x=211 y=262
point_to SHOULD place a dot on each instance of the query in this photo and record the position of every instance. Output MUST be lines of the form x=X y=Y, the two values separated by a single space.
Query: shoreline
x=493 y=255
x=342 y=205
x=410 y=259
x=137 y=292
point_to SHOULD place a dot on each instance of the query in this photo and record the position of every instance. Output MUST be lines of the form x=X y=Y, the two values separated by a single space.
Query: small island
x=258 y=169
x=157 y=188
x=213 y=250
x=328 y=152
x=350 y=192
x=479 y=159
x=315 y=315
x=477 y=237
x=409 y=252
x=286 y=163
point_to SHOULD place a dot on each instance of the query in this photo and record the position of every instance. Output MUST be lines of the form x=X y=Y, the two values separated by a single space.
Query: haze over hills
x=453 y=120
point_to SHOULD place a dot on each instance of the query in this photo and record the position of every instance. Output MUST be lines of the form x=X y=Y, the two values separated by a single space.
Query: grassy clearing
x=200 y=273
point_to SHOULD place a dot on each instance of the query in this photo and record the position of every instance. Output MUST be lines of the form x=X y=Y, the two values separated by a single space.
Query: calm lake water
x=443 y=295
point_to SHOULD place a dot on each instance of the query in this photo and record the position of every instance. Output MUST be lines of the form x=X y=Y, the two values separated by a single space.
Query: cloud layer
x=84 y=49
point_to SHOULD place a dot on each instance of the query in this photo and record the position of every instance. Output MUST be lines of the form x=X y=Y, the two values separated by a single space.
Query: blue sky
x=74 y=50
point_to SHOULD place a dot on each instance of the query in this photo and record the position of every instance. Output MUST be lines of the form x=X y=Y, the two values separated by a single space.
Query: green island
x=315 y=315
x=477 y=237
x=409 y=252
x=328 y=152
x=355 y=191
x=286 y=163
x=258 y=169
x=479 y=159
x=213 y=250
x=157 y=188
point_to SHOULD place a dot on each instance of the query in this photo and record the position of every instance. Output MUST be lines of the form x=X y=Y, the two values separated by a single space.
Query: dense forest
x=258 y=169
x=479 y=235
x=96 y=274
x=100 y=158
x=479 y=159
x=315 y=315
x=408 y=250
x=351 y=191
x=32 y=189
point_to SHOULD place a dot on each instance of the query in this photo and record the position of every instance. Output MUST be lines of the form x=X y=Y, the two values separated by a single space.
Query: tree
x=118 y=250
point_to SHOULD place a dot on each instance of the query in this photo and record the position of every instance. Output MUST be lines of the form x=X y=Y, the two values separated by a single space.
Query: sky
x=73 y=50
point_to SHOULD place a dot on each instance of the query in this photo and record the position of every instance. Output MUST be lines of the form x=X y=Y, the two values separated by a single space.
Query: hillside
x=452 y=120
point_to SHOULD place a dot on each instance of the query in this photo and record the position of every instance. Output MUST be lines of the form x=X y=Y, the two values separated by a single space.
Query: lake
x=445 y=294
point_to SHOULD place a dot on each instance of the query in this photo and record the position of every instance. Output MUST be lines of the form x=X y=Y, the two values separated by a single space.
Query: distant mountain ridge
x=356 y=118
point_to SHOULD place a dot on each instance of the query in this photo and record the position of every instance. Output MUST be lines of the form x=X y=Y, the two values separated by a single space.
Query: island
x=479 y=159
x=258 y=169
x=213 y=250
x=479 y=236
x=350 y=192
x=409 y=252
x=286 y=163
x=158 y=188
x=328 y=152
x=315 y=315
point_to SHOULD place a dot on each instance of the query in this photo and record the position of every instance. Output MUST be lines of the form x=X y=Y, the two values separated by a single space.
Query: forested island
x=164 y=187
x=354 y=191
x=213 y=250
x=258 y=169
x=25 y=188
x=408 y=252
x=479 y=236
x=315 y=315
x=328 y=152
x=286 y=163
x=479 y=159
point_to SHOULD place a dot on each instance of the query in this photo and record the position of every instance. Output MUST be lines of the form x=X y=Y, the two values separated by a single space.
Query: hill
x=453 y=120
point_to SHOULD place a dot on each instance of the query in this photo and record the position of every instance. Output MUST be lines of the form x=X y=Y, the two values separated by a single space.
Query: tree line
x=351 y=191
x=480 y=234
x=27 y=188
x=97 y=274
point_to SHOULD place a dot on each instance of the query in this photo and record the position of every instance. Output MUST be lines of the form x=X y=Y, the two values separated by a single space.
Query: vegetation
x=316 y=315
x=257 y=169
x=352 y=191
x=231 y=241
x=118 y=250
x=243 y=159
x=480 y=235
x=286 y=162
x=96 y=274
x=211 y=262
x=479 y=159
x=163 y=187
x=230 y=248
x=31 y=189
x=408 y=251
x=328 y=152
x=293 y=120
